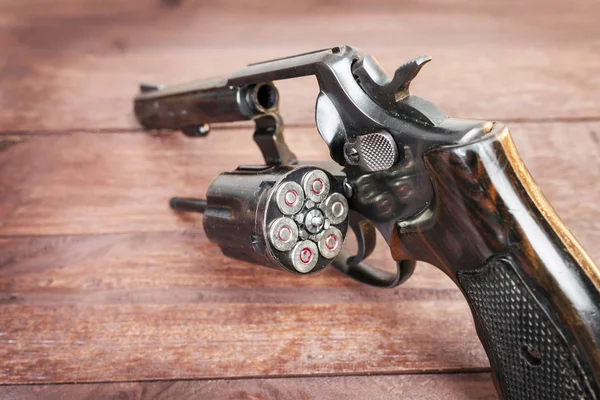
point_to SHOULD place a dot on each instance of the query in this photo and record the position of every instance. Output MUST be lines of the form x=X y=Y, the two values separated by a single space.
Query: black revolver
x=451 y=192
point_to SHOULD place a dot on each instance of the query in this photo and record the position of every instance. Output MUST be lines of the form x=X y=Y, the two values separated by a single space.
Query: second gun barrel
x=189 y=106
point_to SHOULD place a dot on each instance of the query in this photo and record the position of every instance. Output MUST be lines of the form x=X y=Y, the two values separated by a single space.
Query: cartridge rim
x=336 y=208
x=305 y=256
x=316 y=185
x=331 y=242
x=283 y=233
x=290 y=198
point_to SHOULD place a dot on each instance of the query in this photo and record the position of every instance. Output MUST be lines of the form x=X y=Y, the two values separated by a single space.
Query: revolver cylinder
x=289 y=217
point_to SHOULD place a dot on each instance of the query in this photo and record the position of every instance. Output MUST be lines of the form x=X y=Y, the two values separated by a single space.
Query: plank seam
x=450 y=371
x=117 y=130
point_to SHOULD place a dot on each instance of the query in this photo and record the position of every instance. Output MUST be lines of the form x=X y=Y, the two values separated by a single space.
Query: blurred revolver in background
x=451 y=192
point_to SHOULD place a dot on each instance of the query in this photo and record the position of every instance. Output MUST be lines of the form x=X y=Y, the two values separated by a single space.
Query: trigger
x=355 y=268
x=366 y=237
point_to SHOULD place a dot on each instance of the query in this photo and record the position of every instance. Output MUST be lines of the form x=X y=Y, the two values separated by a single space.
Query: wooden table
x=101 y=285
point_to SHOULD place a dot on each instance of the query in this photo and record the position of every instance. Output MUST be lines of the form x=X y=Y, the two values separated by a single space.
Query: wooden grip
x=533 y=291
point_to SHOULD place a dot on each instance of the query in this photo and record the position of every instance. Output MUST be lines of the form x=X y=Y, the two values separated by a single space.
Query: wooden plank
x=94 y=183
x=424 y=387
x=39 y=26
x=77 y=66
x=125 y=290
x=170 y=306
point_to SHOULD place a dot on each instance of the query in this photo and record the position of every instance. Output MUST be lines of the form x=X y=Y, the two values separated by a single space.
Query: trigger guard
x=366 y=237
x=364 y=273
x=354 y=266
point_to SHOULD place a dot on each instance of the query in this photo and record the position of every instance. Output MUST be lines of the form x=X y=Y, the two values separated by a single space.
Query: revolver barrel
x=190 y=107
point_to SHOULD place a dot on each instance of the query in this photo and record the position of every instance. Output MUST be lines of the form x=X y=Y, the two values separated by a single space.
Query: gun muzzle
x=191 y=107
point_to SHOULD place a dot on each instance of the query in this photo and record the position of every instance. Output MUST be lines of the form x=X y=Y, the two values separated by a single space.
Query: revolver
x=451 y=192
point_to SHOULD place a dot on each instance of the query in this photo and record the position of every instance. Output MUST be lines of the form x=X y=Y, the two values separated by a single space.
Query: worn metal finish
x=346 y=109
x=336 y=208
x=181 y=107
x=316 y=186
x=305 y=256
x=331 y=242
x=283 y=234
x=290 y=198
x=387 y=140
x=259 y=214
x=372 y=124
x=268 y=135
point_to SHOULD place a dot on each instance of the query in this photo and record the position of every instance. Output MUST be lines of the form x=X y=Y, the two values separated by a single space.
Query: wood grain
x=77 y=66
x=475 y=386
x=169 y=306
x=118 y=278
x=100 y=281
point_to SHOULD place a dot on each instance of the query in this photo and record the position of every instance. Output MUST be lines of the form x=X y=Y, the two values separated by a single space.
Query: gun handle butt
x=533 y=291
